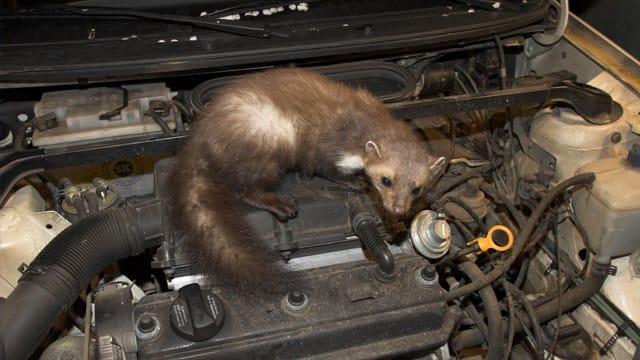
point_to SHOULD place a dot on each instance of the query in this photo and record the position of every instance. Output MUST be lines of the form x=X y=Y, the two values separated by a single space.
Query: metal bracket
x=114 y=323
x=546 y=160
x=593 y=104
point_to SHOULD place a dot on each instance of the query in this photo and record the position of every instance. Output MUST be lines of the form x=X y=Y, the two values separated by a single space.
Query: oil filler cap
x=196 y=315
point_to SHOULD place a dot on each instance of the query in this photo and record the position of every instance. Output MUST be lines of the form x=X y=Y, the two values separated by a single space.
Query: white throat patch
x=349 y=163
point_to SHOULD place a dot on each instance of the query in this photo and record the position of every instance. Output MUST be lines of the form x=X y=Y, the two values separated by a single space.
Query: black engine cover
x=348 y=314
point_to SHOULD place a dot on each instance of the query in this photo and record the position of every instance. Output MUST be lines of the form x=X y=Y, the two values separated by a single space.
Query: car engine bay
x=524 y=248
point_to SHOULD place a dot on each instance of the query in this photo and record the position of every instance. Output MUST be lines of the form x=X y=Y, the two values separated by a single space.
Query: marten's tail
x=218 y=237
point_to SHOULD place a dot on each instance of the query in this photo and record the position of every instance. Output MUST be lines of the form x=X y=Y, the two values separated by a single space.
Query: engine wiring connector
x=498 y=238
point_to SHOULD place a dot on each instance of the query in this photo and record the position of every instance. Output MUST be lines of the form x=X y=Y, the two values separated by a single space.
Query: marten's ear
x=438 y=165
x=372 y=149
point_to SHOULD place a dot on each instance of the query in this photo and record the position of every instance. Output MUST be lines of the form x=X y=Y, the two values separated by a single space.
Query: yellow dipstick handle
x=499 y=238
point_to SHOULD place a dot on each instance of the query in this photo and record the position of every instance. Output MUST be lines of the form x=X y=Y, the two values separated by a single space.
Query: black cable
x=446 y=184
x=477 y=319
x=490 y=152
x=503 y=85
x=540 y=231
x=503 y=63
x=550 y=296
x=73 y=316
x=459 y=70
x=558 y=284
x=522 y=273
x=115 y=112
x=160 y=121
x=188 y=113
x=504 y=200
x=456 y=252
x=451 y=199
x=464 y=230
x=525 y=329
x=533 y=318
x=495 y=332
x=511 y=326
x=585 y=239
x=598 y=272
x=535 y=237
x=523 y=238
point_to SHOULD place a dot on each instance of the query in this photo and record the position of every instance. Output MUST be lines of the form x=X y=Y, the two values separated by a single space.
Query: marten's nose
x=398 y=210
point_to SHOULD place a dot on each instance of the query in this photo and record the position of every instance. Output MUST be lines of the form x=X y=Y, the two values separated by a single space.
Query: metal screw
x=295 y=301
x=428 y=272
x=146 y=323
x=296 y=298
x=147 y=327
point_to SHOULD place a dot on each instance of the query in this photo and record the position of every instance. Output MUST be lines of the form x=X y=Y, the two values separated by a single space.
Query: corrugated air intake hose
x=65 y=266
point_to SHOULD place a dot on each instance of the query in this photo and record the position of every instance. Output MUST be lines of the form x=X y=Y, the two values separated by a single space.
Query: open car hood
x=86 y=42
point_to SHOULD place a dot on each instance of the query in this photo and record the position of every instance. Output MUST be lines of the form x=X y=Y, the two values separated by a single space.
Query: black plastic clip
x=115 y=112
x=614 y=338
x=23 y=268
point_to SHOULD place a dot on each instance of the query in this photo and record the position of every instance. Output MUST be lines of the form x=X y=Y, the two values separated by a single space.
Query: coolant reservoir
x=610 y=210
x=575 y=142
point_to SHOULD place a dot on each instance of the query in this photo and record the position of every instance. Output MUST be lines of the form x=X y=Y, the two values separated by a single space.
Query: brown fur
x=308 y=123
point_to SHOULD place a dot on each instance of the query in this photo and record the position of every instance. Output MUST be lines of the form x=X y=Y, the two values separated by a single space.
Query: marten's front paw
x=357 y=184
x=285 y=207
x=282 y=206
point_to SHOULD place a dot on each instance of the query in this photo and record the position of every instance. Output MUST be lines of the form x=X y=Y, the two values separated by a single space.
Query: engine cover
x=346 y=314
x=322 y=226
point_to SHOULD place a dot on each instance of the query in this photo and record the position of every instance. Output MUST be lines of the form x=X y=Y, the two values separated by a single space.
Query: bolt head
x=441 y=229
x=146 y=323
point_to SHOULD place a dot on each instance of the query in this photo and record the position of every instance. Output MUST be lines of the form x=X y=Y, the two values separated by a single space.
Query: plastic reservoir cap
x=499 y=238
x=196 y=315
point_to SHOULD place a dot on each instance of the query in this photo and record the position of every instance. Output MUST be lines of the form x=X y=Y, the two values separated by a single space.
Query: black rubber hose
x=492 y=310
x=572 y=298
x=365 y=227
x=522 y=273
x=523 y=238
x=64 y=267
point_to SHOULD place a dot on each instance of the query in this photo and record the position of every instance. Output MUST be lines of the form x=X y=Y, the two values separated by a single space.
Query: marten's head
x=401 y=172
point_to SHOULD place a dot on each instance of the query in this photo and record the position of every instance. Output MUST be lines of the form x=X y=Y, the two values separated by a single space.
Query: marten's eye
x=386 y=182
x=416 y=191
